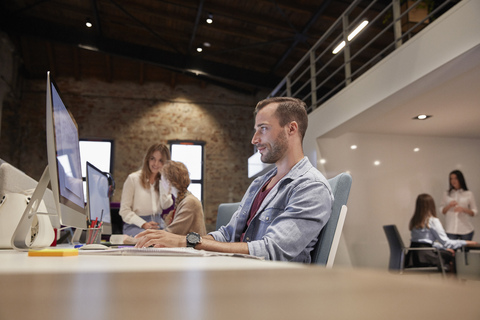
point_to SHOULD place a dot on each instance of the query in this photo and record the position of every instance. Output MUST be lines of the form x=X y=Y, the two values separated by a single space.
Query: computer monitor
x=63 y=171
x=98 y=201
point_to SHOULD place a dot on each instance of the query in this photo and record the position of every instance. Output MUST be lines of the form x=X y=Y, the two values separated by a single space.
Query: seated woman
x=427 y=231
x=187 y=215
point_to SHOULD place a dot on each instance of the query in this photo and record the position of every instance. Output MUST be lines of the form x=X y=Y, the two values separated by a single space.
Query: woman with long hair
x=459 y=207
x=427 y=231
x=143 y=199
x=187 y=215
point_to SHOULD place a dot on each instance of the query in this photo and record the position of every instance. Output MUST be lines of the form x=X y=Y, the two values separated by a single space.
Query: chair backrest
x=395 y=243
x=326 y=247
x=225 y=212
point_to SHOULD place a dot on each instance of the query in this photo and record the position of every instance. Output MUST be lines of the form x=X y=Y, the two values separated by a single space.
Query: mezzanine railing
x=320 y=74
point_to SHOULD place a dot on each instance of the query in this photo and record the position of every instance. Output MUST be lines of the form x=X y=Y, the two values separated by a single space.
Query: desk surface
x=19 y=262
x=267 y=291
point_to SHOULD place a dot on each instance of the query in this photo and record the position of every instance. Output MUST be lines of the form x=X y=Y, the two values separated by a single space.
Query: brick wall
x=135 y=116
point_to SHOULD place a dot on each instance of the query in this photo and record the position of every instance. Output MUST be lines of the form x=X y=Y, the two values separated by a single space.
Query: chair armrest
x=422 y=249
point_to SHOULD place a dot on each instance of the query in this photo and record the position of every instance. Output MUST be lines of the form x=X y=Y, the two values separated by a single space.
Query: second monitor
x=98 y=200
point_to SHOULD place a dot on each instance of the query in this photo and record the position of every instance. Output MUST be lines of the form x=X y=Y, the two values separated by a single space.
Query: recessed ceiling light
x=88 y=23
x=207 y=44
x=199 y=49
x=416 y=149
x=353 y=147
x=209 y=18
x=422 y=117
x=323 y=161
x=377 y=163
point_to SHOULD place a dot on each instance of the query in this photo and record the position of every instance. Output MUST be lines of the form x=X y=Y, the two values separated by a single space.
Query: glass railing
x=321 y=73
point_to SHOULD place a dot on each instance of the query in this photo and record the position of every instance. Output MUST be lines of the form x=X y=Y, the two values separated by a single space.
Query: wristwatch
x=193 y=239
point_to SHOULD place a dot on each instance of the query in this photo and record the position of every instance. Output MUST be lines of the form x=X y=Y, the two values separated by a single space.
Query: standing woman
x=187 y=215
x=142 y=196
x=458 y=205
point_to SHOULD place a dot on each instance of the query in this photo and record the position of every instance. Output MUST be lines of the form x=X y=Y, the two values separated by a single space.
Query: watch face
x=193 y=238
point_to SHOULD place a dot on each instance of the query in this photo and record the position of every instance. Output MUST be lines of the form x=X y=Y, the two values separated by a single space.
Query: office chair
x=326 y=248
x=225 y=212
x=398 y=252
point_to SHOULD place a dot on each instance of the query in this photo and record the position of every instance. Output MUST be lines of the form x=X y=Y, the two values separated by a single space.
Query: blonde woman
x=187 y=215
x=143 y=199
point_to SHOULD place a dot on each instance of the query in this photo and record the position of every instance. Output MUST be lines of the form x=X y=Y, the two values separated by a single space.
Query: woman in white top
x=458 y=205
x=142 y=197
x=427 y=231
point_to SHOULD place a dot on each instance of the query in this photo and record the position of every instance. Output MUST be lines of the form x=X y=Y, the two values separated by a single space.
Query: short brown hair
x=288 y=110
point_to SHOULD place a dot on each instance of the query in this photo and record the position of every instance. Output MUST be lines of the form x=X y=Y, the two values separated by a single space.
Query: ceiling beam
x=216 y=72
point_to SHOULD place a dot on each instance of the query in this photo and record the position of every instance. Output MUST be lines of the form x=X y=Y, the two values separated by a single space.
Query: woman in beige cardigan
x=187 y=215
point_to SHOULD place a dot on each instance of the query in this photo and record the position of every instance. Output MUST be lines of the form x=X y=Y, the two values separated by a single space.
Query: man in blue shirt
x=283 y=211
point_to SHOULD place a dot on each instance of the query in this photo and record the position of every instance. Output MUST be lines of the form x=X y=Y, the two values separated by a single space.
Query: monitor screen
x=98 y=202
x=64 y=160
x=64 y=174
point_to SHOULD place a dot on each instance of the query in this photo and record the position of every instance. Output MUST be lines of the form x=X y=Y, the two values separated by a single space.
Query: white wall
x=385 y=194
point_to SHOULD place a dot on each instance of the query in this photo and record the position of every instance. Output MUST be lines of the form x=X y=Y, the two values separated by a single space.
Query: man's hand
x=150 y=225
x=159 y=239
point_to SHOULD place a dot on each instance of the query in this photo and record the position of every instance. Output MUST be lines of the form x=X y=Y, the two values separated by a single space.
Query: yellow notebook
x=52 y=252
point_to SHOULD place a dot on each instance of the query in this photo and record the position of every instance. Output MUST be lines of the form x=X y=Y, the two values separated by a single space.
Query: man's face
x=270 y=138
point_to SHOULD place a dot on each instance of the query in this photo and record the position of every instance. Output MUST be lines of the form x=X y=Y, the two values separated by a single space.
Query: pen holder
x=93 y=235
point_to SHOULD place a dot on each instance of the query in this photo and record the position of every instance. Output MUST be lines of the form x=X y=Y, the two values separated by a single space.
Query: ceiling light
x=209 y=18
x=206 y=44
x=339 y=47
x=357 y=30
x=422 y=117
x=88 y=47
x=323 y=161
x=350 y=37
x=416 y=149
x=377 y=163
x=88 y=23
x=199 y=49
x=353 y=147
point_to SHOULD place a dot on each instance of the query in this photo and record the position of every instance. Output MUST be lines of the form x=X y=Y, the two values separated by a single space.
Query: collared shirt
x=435 y=235
x=287 y=224
x=459 y=222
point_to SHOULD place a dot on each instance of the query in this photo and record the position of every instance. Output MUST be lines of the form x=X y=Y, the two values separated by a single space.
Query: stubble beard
x=278 y=149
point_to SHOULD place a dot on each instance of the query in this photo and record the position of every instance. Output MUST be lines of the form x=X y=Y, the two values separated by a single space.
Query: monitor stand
x=35 y=230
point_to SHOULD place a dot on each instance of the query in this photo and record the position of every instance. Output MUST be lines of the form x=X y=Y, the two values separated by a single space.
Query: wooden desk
x=266 y=291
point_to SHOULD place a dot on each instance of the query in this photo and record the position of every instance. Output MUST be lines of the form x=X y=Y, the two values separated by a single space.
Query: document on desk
x=187 y=252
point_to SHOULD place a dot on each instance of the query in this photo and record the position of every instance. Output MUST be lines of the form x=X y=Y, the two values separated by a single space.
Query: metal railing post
x=397 y=25
x=346 y=51
x=313 y=79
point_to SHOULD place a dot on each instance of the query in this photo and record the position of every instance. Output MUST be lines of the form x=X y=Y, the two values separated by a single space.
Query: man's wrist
x=192 y=239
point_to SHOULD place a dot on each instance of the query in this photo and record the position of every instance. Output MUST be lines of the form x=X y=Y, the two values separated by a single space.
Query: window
x=191 y=154
x=97 y=152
